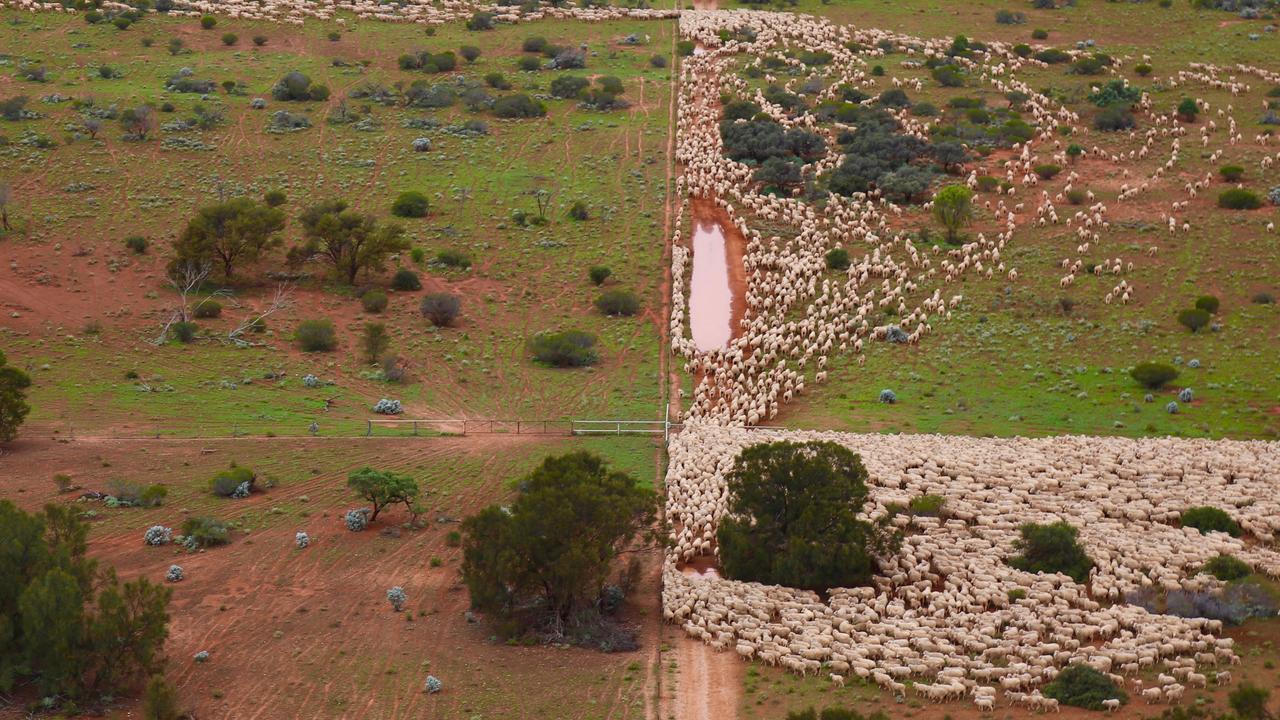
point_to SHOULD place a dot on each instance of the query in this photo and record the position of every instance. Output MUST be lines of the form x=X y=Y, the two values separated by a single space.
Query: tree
x=1051 y=548
x=6 y=194
x=1249 y=702
x=349 y=240
x=129 y=630
x=382 y=488
x=13 y=399
x=1207 y=519
x=551 y=551
x=793 y=517
x=139 y=121
x=953 y=209
x=950 y=155
x=1083 y=686
x=376 y=341
x=231 y=232
x=160 y=700
x=52 y=612
x=777 y=172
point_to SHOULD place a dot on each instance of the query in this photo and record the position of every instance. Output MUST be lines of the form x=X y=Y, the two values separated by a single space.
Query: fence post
x=415 y=428
x=369 y=430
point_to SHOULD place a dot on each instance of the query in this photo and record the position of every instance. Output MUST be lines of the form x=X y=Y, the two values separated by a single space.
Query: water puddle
x=710 y=295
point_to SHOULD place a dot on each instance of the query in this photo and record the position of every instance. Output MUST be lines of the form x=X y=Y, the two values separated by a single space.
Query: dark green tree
x=1051 y=548
x=52 y=611
x=348 y=240
x=793 y=517
x=230 y=232
x=13 y=398
x=1249 y=702
x=382 y=488
x=552 y=549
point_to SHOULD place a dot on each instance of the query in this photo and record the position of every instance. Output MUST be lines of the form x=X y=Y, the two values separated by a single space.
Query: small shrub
x=534 y=44
x=1209 y=519
x=888 y=397
x=157 y=535
x=579 y=211
x=63 y=481
x=406 y=280
x=1051 y=548
x=1263 y=298
x=334 y=36
x=837 y=259
x=1187 y=110
x=453 y=259
x=480 y=21
x=153 y=495
x=568 y=348
x=658 y=61
x=160 y=700
x=1039 y=34
x=518 y=106
x=259 y=40
x=1143 y=69
x=598 y=274
x=432 y=685
x=301 y=540
x=1113 y=119
x=375 y=340
x=618 y=303
x=1227 y=568
x=227 y=482
x=230 y=38
x=1154 y=375
x=453 y=538
x=1208 y=303
x=1172 y=407
x=208 y=21
x=374 y=301
x=203 y=532
x=184 y=331
x=441 y=309
x=356 y=520
x=1239 y=199
x=388 y=406
x=207 y=310
x=1009 y=17
x=1186 y=395
x=410 y=204
x=1076 y=196
x=274 y=198
x=1231 y=173
x=136 y=244
x=529 y=63
x=317 y=336
x=1194 y=318
x=397 y=598
x=1047 y=171
x=174 y=574
x=927 y=505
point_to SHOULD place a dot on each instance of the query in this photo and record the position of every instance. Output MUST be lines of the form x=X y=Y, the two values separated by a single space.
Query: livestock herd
x=945 y=613
x=942 y=612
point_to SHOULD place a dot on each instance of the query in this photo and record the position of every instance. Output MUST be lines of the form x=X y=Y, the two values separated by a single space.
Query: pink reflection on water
x=710 y=297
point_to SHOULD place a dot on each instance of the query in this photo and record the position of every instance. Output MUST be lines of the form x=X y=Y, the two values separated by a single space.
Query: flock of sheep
x=941 y=612
x=433 y=12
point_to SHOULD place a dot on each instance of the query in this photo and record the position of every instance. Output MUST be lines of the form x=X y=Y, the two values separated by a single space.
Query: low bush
x=1039 y=34
x=928 y=505
x=1113 y=119
x=227 y=482
x=1084 y=687
x=185 y=331
x=1047 y=171
x=618 y=303
x=230 y=38
x=837 y=259
x=1263 y=298
x=1227 y=568
x=568 y=348
x=410 y=204
x=453 y=259
x=406 y=280
x=274 y=198
x=518 y=106
x=1231 y=173
x=1194 y=319
x=1209 y=519
x=203 y=532
x=598 y=274
x=374 y=301
x=1154 y=375
x=208 y=21
x=578 y=211
x=441 y=309
x=1239 y=199
x=136 y=244
x=1076 y=196
x=317 y=336
x=1208 y=303
x=1010 y=17
x=207 y=309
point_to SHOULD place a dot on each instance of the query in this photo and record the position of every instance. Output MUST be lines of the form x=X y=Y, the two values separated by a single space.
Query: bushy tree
x=518 y=106
x=231 y=232
x=1188 y=110
x=348 y=240
x=160 y=700
x=793 y=517
x=552 y=549
x=317 y=335
x=13 y=398
x=1154 y=375
x=1194 y=318
x=376 y=341
x=1051 y=548
x=68 y=629
x=598 y=274
x=953 y=209
x=410 y=204
x=382 y=488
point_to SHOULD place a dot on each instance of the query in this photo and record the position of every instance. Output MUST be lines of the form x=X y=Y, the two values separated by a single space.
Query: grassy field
x=76 y=201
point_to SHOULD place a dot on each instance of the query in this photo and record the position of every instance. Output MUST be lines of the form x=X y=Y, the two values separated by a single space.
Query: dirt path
x=709 y=685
